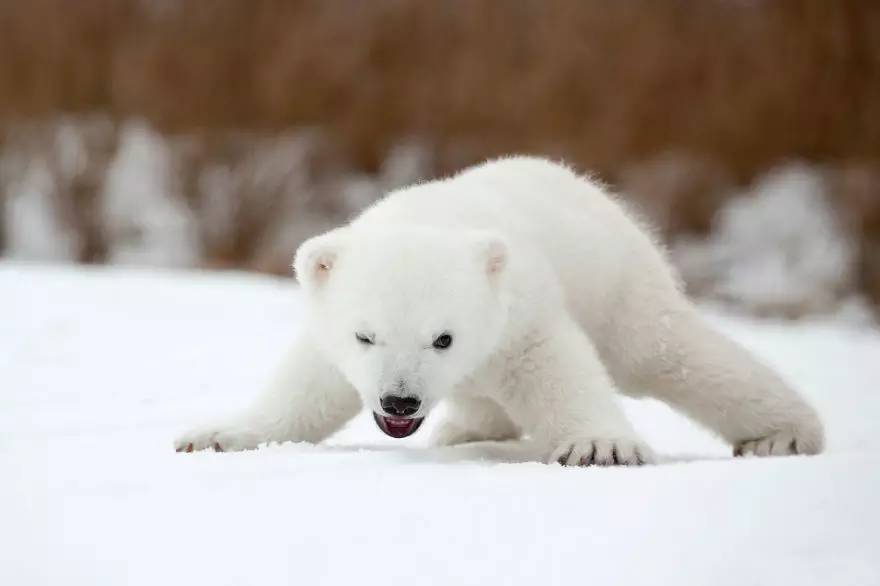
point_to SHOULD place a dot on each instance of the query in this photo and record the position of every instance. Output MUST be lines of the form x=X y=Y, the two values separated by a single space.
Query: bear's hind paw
x=779 y=444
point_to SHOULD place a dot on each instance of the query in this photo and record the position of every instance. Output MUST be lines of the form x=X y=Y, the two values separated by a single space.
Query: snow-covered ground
x=100 y=368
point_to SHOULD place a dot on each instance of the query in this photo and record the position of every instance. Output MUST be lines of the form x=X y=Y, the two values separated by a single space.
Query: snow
x=32 y=224
x=778 y=248
x=145 y=220
x=100 y=368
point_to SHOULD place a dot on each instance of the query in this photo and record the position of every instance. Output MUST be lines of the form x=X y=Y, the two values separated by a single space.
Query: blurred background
x=221 y=134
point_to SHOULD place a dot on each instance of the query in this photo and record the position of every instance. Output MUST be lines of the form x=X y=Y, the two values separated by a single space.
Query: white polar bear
x=525 y=297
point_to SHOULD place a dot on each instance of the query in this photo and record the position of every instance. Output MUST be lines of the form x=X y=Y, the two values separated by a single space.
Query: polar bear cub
x=526 y=298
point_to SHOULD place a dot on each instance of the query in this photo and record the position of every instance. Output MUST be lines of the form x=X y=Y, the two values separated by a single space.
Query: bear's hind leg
x=713 y=380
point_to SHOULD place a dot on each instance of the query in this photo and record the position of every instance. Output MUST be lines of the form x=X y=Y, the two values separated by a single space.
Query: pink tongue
x=397 y=426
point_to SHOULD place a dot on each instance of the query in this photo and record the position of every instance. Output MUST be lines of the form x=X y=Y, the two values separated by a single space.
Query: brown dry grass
x=602 y=83
x=674 y=100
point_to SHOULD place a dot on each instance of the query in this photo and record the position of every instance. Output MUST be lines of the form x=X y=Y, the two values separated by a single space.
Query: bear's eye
x=366 y=339
x=442 y=342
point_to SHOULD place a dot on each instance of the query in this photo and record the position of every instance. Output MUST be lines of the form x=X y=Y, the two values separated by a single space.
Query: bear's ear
x=493 y=250
x=316 y=256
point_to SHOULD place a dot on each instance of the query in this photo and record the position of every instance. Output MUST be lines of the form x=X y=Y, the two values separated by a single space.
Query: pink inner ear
x=497 y=257
x=315 y=258
x=496 y=263
x=324 y=262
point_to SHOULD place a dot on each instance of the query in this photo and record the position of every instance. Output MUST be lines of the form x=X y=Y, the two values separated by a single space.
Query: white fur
x=556 y=299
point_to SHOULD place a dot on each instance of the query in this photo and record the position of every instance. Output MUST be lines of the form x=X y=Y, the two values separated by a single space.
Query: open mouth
x=398 y=426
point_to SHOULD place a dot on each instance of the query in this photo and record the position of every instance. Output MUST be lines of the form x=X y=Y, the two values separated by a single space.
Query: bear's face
x=405 y=314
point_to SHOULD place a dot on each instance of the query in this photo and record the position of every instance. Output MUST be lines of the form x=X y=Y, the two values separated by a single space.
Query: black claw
x=590 y=458
x=563 y=459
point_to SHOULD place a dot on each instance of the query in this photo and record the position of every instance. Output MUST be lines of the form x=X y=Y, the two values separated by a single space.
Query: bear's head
x=405 y=314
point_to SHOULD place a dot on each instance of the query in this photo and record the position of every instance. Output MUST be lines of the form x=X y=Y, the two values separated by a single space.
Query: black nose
x=400 y=406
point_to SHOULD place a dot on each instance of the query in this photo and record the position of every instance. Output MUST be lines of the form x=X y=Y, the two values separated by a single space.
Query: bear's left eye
x=365 y=339
x=443 y=341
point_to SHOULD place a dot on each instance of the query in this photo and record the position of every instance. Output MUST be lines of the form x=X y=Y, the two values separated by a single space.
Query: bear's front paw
x=781 y=444
x=219 y=438
x=602 y=452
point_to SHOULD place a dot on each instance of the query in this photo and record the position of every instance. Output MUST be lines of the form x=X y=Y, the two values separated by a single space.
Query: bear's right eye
x=366 y=339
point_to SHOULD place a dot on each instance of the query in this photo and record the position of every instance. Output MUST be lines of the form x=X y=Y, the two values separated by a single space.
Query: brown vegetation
x=724 y=89
x=602 y=83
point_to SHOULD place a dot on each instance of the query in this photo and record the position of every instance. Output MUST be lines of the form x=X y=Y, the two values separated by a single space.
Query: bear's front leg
x=559 y=392
x=473 y=419
x=307 y=401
